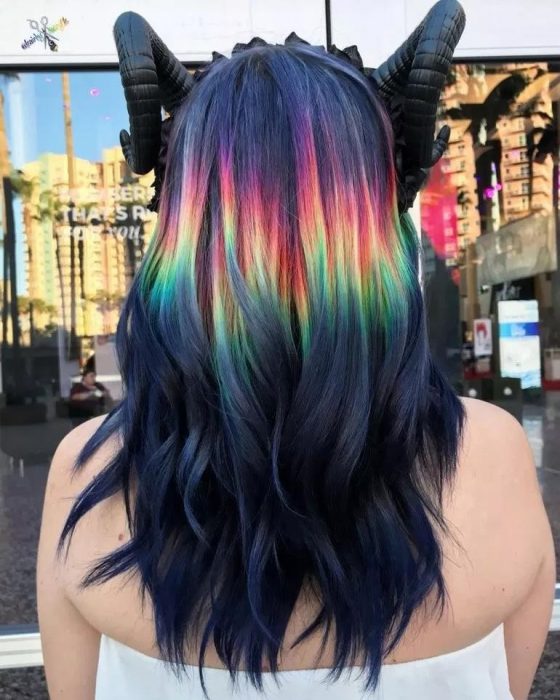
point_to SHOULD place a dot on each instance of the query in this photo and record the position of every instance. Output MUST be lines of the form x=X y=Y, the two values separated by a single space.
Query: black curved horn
x=151 y=77
x=417 y=70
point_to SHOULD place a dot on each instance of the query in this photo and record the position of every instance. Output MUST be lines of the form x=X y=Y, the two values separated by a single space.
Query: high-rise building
x=94 y=235
x=55 y=266
x=526 y=183
x=460 y=156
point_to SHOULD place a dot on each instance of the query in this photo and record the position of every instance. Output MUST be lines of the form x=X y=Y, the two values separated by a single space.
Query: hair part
x=283 y=425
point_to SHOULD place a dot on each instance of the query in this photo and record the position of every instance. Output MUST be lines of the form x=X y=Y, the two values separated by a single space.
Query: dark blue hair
x=283 y=428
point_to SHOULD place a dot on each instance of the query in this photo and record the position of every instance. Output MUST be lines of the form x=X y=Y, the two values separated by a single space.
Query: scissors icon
x=48 y=38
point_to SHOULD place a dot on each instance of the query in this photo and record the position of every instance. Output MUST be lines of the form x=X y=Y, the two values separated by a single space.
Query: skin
x=499 y=567
x=88 y=380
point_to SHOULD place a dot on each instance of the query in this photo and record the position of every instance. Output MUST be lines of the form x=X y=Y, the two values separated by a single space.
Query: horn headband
x=409 y=83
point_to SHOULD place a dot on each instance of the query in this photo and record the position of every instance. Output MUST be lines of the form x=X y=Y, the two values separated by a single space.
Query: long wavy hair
x=283 y=429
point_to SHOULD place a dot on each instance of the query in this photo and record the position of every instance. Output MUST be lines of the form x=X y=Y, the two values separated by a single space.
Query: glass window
x=490 y=226
x=74 y=231
x=76 y=226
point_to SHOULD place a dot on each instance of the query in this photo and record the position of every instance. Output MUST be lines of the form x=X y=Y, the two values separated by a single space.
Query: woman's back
x=499 y=570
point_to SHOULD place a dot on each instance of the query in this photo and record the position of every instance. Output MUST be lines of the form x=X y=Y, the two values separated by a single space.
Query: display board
x=520 y=350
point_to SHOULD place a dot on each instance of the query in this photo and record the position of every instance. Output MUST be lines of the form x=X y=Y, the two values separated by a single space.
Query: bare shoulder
x=70 y=643
x=497 y=506
x=498 y=466
x=64 y=485
x=508 y=538
x=62 y=475
x=73 y=441
x=493 y=424
x=495 y=446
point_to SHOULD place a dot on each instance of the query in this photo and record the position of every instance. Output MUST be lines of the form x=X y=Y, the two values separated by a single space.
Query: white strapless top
x=477 y=672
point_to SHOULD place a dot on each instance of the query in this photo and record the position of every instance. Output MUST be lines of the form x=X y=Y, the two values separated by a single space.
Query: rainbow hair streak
x=284 y=432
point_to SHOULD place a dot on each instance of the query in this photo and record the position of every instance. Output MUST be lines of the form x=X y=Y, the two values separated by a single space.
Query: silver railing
x=20 y=646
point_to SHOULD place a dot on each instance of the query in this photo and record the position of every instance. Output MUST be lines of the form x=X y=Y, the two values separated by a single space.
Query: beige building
x=519 y=185
x=46 y=226
x=460 y=155
x=103 y=225
x=527 y=184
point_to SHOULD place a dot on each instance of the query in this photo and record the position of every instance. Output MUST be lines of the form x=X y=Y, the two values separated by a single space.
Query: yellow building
x=99 y=230
x=460 y=156
x=49 y=245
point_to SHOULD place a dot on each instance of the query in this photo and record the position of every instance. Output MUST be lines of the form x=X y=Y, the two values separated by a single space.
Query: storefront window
x=75 y=225
x=490 y=208
x=490 y=229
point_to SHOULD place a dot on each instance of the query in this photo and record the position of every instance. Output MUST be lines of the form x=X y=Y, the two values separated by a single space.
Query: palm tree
x=69 y=139
x=106 y=302
x=9 y=281
x=5 y=169
x=32 y=306
x=24 y=189
x=49 y=210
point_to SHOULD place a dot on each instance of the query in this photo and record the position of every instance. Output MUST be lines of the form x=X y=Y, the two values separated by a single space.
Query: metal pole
x=69 y=139
x=10 y=254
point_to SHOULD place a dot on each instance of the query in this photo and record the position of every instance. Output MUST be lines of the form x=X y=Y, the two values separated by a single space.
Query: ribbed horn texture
x=417 y=70
x=151 y=77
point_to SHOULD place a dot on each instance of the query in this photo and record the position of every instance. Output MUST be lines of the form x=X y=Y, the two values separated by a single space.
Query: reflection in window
x=501 y=169
x=490 y=225
x=74 y=227
x=80 y=225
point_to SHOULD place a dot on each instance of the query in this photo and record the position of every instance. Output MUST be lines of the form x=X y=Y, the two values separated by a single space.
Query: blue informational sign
x=520 y=350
